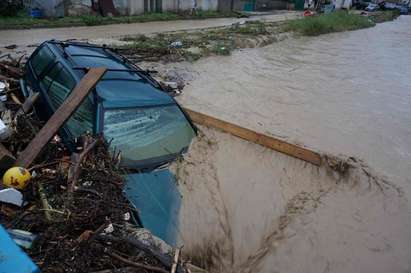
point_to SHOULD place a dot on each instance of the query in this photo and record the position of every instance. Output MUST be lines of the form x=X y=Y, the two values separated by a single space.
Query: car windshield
x=149 y=135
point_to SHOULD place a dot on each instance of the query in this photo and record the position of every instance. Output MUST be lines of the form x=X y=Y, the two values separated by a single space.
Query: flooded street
x=254 y=210
x=346 y=93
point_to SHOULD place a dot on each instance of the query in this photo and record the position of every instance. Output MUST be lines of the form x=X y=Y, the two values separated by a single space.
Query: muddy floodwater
x=249 y=209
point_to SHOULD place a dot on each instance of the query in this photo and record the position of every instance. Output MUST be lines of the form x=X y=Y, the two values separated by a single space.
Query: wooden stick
x=28 y=103
x=137 y=265
x=63 y=113
x=44 y=202
x=175 y=261
x=75 y=172
x=258 y=138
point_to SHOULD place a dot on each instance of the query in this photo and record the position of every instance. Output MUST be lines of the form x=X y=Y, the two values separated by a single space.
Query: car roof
x=123 y=85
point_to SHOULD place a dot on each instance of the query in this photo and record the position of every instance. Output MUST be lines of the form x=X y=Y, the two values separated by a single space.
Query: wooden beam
x=63 y=113
x=258 y=138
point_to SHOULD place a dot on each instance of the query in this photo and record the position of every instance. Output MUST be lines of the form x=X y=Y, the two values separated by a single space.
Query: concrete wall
x=55 y=8
x=134 y=6
x=137 y=6
x=50 y=8
x=207 y=4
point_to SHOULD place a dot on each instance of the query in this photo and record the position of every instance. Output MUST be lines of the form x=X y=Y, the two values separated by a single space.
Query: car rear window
x=143 y=134
x=42 y=59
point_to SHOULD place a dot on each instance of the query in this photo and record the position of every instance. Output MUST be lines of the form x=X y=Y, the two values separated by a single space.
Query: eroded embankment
x=250 y=209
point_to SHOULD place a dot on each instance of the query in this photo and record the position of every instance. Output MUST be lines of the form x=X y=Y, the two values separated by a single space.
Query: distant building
x=59 y=8
x=251 y=5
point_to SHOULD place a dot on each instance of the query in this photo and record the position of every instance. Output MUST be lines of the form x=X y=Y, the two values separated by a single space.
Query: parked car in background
x=127 y=106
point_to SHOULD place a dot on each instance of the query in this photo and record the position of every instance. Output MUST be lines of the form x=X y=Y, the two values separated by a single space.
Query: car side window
x=42 y=59
x=61 y=84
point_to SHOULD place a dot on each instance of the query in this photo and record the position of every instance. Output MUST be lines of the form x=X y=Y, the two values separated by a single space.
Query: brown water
x=344 y=93
x=256 y=210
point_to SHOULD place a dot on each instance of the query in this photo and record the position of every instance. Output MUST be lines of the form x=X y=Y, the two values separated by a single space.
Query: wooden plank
x=59 y=117
x=258 y=138
x=6 y=158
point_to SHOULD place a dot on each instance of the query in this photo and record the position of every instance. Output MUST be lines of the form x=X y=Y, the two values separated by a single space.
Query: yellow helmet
x=16 y=177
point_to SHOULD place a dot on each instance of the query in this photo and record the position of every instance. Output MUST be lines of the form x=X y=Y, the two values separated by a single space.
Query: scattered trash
x=22 y=238
x=308 y=13
x=11 y=196
x=4 y=131
x=16 y=177
x=109 y=229
x=172 y=85
x=3 y=94
x=176 y=44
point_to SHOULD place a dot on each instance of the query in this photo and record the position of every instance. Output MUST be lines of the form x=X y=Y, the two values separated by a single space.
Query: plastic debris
x=22 y=238
x=13 y=259
x=3 y=95
x=11 y=196
x=109 y=229
x=172 y=85
x=176 y=44
x=4 y=131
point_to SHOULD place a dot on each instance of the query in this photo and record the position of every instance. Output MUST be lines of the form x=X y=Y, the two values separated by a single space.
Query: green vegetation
x=22 y=21
x=333 y=22
x=196 y=44
x=338 y=21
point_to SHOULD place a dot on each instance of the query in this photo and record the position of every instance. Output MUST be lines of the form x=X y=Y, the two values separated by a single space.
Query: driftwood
x=74 y=171
x=256 y=137
x=12 y=71
x=28 y=104
x=175 y=261
x=162 y=258
x=137 y=265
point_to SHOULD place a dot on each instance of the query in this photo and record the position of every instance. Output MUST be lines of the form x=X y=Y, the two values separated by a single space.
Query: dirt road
x=35 y=36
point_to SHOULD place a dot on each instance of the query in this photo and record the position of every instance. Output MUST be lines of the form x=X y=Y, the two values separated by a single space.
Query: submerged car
x=127 y=106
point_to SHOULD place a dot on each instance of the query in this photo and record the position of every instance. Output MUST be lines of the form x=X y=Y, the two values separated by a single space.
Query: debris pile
x=72 y=215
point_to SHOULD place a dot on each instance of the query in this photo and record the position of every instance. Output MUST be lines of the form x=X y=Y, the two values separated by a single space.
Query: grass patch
x=333 y=22
x=384 y=16
x=22 y=21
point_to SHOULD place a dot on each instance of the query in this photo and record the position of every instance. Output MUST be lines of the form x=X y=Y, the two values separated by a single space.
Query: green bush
x=333 y=22
x=90 y=20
